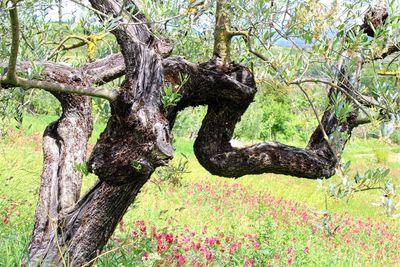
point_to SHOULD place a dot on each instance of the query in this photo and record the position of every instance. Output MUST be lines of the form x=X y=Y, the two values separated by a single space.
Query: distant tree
x=70 y=229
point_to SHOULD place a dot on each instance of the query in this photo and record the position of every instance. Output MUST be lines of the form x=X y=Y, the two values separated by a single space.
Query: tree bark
x=134 y=143
x=64 y=147
x=228 y=93
x=137 y=138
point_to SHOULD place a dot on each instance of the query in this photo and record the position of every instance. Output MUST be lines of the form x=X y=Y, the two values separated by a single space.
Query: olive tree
x=72 y=229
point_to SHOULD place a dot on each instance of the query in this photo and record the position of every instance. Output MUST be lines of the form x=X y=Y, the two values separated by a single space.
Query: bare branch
x=98 y=12
x=59 y=78
x=11 y=74
x=65 y=88
x=238 y=33
x=104 y=70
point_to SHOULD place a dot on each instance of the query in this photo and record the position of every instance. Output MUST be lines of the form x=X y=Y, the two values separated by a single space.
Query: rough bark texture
x=136 y=132
x=64 y=146
x=228 y=94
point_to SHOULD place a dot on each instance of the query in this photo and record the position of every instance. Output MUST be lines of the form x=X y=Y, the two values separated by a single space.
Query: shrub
x=395 y=138
x=172 y=174
x=188 y=121
x=381 y=155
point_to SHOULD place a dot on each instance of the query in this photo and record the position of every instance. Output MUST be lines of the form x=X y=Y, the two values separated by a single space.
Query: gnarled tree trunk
x=137 y=138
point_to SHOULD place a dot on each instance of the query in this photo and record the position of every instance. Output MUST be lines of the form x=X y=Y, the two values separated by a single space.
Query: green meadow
x=206 y=220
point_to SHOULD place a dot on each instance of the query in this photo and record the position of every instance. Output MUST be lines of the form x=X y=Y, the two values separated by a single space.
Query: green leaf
x=136 y=165
x=82 y=168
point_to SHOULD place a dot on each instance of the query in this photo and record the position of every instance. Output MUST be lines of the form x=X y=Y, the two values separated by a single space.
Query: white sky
x=70 y=10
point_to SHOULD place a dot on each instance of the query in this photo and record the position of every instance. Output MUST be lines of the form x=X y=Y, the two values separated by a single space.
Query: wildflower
x=208 y=254
x=169 y=238
x=121 y=225
x=204 y=230
x=181 y=259
x=233 y=248
x=6 y=219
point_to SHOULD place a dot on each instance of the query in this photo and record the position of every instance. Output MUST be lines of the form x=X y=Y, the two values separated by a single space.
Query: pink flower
x=181 y=259
x=139 y=223
x=6 y=219
x=233 y=248
x=204 y=230
x=208 y=254
x=169 y=238
x=306 y=250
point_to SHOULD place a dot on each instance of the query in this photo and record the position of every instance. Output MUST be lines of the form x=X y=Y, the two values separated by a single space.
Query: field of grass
x=257 y=220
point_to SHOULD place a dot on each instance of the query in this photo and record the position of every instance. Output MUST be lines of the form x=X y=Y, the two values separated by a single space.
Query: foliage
x=278 y=113
x=43 y=103
x=136 y=165
x=372 y=179
x=381 y=155
x=341 y=107
x=82 y=168
x=188 y=121
x=171 y=97
x=395 y=138
x=101 y=110
x=171 y=91
x=12 y=103
x=171 y=174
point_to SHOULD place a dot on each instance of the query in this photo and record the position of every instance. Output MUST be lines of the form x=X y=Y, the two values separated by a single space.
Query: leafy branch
x=12 y=79
x=171 y=91
x=373 y=179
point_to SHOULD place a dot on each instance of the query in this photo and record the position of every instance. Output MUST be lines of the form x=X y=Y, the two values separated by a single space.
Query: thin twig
x=90 y=8
x=61 y=45
x=331 y=84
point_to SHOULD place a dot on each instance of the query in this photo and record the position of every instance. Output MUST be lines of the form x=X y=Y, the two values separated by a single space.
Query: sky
x=70 y=10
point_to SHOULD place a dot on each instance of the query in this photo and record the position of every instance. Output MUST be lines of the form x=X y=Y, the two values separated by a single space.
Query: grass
x=270 y=208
